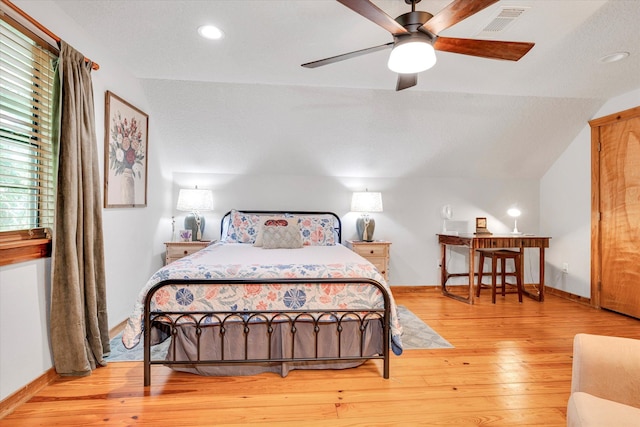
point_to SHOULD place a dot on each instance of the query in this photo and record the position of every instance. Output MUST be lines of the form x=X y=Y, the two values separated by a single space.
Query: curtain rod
x=42 y=28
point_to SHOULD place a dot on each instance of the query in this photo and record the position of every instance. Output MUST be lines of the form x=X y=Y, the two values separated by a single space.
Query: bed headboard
x=337 y=223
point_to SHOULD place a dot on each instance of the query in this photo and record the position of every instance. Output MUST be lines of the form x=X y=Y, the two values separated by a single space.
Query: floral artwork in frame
x=125 y=156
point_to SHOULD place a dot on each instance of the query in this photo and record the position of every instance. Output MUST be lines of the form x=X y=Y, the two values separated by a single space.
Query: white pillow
x=264 y=219
x=281 y=233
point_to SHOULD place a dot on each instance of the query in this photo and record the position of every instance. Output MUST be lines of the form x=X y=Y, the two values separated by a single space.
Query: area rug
x=119 y=353
x=416 y=335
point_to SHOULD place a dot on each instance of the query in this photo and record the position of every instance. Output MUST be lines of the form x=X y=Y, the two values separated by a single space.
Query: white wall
x=25 y=350
x=410 y=220
x=565 y=207
x=132 y=249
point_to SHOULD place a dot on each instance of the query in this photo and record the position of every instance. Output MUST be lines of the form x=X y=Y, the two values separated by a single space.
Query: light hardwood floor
x=511 y=365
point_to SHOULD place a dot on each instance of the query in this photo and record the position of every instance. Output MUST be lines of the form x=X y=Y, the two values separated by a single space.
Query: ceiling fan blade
x=374 y=14
x=455 y=12
x=492 y=49
x=406 y=81
x=344 y=56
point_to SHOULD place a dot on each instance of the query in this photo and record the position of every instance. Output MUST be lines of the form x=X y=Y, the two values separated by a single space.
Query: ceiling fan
x=415 y=38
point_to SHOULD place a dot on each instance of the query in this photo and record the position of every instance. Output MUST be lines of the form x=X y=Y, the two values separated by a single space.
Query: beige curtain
x=79 y=327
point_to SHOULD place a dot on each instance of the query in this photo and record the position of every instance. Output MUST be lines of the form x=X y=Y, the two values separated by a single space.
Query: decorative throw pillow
x=264 y=219
x=317 y=230
x=281 y=234
x=243 y=227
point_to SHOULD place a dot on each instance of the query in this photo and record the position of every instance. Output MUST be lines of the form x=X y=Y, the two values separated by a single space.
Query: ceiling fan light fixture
x=411 y=56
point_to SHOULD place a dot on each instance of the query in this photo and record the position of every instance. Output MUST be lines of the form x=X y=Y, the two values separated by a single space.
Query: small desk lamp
x=195 y=201
x=515 y=213
x=366 y=202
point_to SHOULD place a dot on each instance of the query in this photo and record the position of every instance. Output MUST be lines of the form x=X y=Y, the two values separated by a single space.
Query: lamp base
x=191 y=223
x=365 y=228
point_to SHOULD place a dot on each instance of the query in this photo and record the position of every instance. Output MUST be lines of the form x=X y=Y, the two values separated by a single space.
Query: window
x=27 y=198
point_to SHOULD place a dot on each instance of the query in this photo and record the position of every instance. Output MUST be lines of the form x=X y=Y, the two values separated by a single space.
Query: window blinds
x=27 y=198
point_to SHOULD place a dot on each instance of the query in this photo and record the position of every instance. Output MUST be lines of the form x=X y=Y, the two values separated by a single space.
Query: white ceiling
x=466 y=116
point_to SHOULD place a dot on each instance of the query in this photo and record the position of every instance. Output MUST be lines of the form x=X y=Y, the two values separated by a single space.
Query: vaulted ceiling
x=232 y=103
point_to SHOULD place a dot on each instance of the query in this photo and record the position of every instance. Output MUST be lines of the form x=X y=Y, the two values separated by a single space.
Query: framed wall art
x=126 y=144
x=481 y=226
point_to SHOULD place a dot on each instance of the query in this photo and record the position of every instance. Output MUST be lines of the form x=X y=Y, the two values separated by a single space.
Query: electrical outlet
x=565 y=267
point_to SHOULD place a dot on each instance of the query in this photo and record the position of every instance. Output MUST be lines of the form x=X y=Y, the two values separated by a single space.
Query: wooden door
x=617 y=140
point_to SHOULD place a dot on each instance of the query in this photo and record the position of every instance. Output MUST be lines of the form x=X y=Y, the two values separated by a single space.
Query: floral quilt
x=205 y=264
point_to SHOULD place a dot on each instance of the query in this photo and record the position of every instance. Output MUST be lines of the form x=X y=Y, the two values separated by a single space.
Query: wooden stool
x=501 y=255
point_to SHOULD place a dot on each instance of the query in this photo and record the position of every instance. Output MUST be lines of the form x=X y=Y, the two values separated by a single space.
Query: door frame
x=596 y=244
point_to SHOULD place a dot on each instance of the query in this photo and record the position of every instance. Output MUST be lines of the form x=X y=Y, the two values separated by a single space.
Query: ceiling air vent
x=505 y=18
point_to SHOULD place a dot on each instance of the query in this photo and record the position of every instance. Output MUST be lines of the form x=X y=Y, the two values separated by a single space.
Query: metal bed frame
x=248 y=319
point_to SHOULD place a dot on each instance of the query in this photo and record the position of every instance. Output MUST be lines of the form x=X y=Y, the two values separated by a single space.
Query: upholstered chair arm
x=607 y=367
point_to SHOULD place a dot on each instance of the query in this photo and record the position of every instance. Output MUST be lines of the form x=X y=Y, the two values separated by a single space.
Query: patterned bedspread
x=244 y=261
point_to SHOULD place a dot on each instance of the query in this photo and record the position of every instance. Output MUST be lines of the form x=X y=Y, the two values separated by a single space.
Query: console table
x=473 y=242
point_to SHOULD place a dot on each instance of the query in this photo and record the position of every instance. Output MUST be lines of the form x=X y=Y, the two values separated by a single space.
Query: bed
x=278 y=292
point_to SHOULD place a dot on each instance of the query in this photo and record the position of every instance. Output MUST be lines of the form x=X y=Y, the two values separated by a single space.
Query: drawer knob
x=186 y=252
x=371 y=251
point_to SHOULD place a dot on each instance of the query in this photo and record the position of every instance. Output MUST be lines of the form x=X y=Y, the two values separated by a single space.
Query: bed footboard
x=284 y=334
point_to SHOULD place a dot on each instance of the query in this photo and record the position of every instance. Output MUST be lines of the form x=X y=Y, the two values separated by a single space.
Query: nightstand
x=177 y=250
x=376 y=252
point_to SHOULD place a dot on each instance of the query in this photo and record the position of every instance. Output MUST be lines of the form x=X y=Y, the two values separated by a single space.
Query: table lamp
x=366 y=202
x=514 y=213
x=195 y=201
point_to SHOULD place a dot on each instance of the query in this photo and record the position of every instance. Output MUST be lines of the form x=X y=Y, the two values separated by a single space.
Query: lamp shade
x=366 y=201
x=412 y=56
x=514 y=212
x=195 y=200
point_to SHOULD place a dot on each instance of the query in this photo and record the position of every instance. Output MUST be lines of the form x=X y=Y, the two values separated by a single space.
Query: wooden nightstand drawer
x=371 y=250
x=380 y=264
x=180 y=250
x=377 y=253
x=177 y=250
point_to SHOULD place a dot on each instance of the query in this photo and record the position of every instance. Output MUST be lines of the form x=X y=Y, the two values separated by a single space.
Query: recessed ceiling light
x=614 y=57
x=210 y=32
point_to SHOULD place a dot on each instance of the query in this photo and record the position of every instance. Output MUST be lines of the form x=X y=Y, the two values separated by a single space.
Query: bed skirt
x=316 y=344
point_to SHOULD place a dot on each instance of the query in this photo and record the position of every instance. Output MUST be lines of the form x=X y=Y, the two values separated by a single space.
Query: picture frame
x=481 y=226
x=126 y=145
x=185 y=235
x=481 y=223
